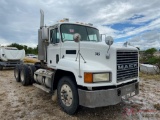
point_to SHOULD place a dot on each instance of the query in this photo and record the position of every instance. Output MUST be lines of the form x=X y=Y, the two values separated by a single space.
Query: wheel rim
x=66 y=95
x=22 y=76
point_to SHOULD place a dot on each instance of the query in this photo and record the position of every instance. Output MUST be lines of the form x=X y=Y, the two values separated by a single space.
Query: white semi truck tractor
x=81 y=69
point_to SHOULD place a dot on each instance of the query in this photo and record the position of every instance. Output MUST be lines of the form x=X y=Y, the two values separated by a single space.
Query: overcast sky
x=136 y=21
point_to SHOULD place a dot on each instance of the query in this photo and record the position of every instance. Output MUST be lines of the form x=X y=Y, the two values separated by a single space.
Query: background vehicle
x=10 y=57
x=82 y=70
x=31 y=56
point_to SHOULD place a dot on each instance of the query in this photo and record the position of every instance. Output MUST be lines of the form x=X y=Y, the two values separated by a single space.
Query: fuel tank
x=43 y=77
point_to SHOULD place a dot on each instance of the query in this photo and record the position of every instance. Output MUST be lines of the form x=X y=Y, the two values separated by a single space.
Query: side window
x=92 y=37
x=54 y=36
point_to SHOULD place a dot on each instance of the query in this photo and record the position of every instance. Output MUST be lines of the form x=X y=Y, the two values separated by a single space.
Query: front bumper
x=99 y=98
x=10 y=63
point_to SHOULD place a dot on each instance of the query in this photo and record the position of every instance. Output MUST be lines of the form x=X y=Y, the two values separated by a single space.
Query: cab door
x=53 y=50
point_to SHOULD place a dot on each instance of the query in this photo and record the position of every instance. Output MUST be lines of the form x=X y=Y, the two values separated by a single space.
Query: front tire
x=68 y=95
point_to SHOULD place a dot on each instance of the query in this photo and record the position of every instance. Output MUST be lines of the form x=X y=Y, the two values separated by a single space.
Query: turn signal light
x=88 y=77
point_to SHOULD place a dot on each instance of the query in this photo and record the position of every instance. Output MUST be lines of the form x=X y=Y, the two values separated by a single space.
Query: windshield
x=87 y=33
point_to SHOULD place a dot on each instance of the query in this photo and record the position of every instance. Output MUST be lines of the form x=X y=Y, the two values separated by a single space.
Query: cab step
x=42 y=87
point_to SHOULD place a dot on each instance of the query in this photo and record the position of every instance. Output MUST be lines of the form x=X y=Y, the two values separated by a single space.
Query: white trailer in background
x=81 y=69
x=149 y=69
x=10 y=57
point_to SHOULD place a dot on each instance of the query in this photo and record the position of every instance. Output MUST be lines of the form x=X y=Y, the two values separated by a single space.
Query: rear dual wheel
x=24 y=74
x=1 y=67
x=32 y=69
x=17 y=70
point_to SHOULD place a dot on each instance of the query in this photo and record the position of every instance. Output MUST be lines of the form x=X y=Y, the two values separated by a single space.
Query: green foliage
x=28 y=50
x=20 y=47
x=153 y=60
x=150 y=51
x=148 y=57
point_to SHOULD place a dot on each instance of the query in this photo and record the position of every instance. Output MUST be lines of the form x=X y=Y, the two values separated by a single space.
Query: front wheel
x=68 y=95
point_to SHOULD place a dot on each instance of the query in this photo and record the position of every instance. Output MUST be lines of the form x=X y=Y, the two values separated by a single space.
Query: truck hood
x=94 y=53
x=95 y=49
x=6 y=55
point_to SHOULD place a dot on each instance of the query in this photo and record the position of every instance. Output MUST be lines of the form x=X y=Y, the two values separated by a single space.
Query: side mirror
x=45 y=34
x=109 y=40
x=76 y=37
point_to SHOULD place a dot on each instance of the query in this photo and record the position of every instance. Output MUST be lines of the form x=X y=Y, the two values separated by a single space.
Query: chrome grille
x=127 y=65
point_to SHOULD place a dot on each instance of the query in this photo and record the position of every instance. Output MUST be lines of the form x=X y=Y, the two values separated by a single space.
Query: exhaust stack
x=41 y=19
x=42 y=38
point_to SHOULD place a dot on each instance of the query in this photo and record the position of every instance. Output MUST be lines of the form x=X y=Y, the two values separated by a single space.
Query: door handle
x=57 y=58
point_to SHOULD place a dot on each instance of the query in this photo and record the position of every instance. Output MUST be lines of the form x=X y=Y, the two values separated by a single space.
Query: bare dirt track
x=29 y=103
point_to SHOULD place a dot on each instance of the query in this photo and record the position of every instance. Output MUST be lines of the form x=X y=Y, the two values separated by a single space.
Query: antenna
x=41 y=18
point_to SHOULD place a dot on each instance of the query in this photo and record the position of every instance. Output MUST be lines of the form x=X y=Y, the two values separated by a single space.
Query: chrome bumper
x=99 y=98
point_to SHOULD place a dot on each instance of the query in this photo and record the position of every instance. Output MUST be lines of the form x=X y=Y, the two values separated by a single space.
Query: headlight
x=102 y=77
x=96 y=77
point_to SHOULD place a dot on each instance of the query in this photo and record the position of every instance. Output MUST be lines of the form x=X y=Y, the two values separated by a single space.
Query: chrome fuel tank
x=43 y=77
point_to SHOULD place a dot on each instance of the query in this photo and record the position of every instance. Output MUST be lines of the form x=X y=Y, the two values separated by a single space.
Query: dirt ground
x=29 y=103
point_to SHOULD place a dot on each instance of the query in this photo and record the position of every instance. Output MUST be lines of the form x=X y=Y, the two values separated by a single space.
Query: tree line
x=149 y=57
x=28 y=50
